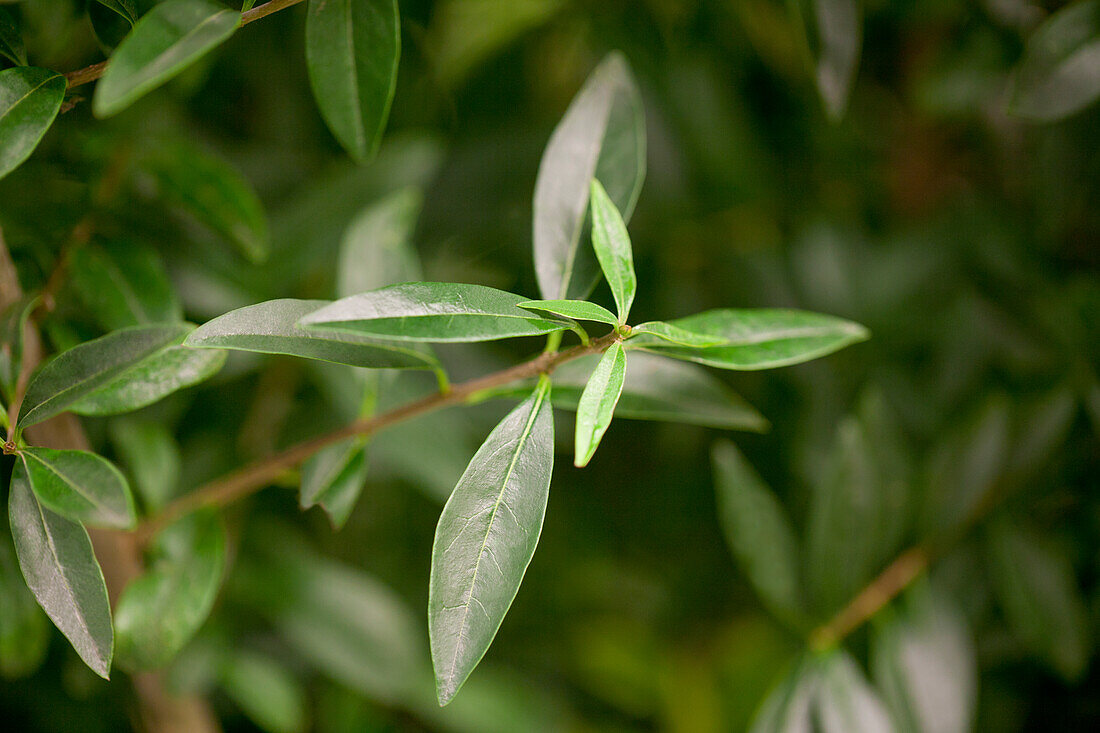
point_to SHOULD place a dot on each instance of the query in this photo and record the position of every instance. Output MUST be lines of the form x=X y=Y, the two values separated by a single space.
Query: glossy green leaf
x=611 y=243
x=352 y=50
x=486 y=537
x=759 y=532
x=160 y=610
x=61 y=570
x=334 y=478
x=596 y=406
x=123 y=285
x=602 y=135
x=836 y=40
x=13 y=325
x=80 y=486
x=122 y=8
x=377 y=250
x=266 y=692
x=112 y=20
x=270 y=328
x=1039 y=595
x=1060 y=71
x=580 y=310
x=29 y=101
x=844 y=701
x=150 y=455
x=24 y=632
x=427 y=311
x=11 y=39
x=676 y=335
x=761 y=338
x=167 y=39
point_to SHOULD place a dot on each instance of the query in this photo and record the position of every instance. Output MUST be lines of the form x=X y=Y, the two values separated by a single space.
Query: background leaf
x=1060 y=72
x=11 y=39
x=837 y=41
x=334 y=477
x=24 y=633
x=78 y=485
x=151 y=456
x=123 y=285
x=267 y=693
x=377 y=250
x=29 y=101
x=112 y=20
x=844 y=701
x=596 y=406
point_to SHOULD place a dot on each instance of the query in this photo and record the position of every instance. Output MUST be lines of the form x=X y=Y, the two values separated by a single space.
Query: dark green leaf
x=29 y=100
x=352 y=50
x=486 y=537
x=112 y=20
x=123 y=285
x=151 y=456
x=676 y=335
x=57 y=561
x=432 y=312
x=611 y=244
x=24 y=633
x=80 y=486
x=123 y=8
x=334 y=477
x=1060 y=71
x=377 y=247
x=580 y=310
x=602 y=135
x=596 y=406
x=11 y=39
x=167 y=39
x=13 y=325
x=266 y=692
x=270 y=328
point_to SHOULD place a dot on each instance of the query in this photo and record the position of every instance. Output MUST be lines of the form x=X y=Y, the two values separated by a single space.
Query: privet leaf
x=602 y=135
x=844 y=701
x=271 y=328
x=167 y=39
x=29 y=100
x=676 y=335
x=376 y=250
x=486 y=537
x=334 y=477
x=13 y=324
x=597 y=403
x=266 y=692
x=352 y=50
x=759 y=532
x=112 y=20
x=611 y=243
x=123 y=8
x=80 y=486
x=580 y=310
x=786 y=709
x=11 y=39
x=838 y=40
x=123 y=285
x=24 y=633
x=427 y=311
x=151 y=455
x=60 y=568
x=159 y=612
x=1060 y=71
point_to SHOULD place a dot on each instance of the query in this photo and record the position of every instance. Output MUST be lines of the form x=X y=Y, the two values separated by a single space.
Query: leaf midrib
x=68 y=482
x=159 y=65
x=24 y=97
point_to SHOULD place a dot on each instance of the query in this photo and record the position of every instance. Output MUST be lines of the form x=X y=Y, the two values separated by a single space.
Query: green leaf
x=377 y=247
x=844 y=701
x=60 y=568
x=270 y=328
x=13 y=324
x=112 y=20
x=80 y=486
x=676 y=335
x=352 y=50
x=1058 y=76
x=786 y=709
x=486 y=537
x=266 y=692
x=123 y=285
x=167 y=39
x=602 y=135
x=580 y=310
x=29 y=100
x=760 y=338
x=426 y=311
x=1039 y=595
x=123 y=8
x=758 y=532
x=836 y=25
x=334 y=478
x=611 y=243
x=24 y=633
x=597 y=403
x=123 y=370
x=11 y=39
x=151 y=457
x=159 y=611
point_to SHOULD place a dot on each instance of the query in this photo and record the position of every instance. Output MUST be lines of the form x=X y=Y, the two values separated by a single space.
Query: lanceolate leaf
x=580 y=310
x=112 y=20
x=24 y=633
x=602 y=135
x=266 y=691
x=161 y=610
x=597 y=404
x=377 y=247
x=352 y=50
x=167 y=39
x=1058 y=74
x=433 y=312
x=612 y=246
x=838 y=40
x=334 y=478
x=151 y=457
x=13 y=324
x=29 y=100
x=123 y=285
x=80 y=486
x=786 y=709
x=60 y=568
x=486 y=537
x=270 y=328
x=11 y=39
x=676 y=335
x=844 y=701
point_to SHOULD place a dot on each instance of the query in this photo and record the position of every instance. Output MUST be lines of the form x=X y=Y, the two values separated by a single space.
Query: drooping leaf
x=1060 y=71
x=486 y=537
x=112 y=20
x=580 y=310
x=11 y=39
x=352 y=50
x=762 y=338
x=123 y=286
x=150 y=455
x=159 y=611
x=80 y=486
x=758 y=532
x=596 y=406
x=844 y=701
x=602 y=135
x=787 y=707
x=836 y=42
x=24 y=632
x=611 y=243
x=266 y=692
x=122 y=8
x=167 y=39
x=13 y=324
x=376 y=250
x=61 y=570
x=334 y=478
x=676 y=335
x=29 y=100
x=427 y=311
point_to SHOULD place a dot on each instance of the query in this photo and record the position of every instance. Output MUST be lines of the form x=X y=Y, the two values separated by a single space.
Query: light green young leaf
x=352 y=50
x=597 y=403
x=112 y=20
x=11 y=39
x=60 y=568
x=486 y=537
x=602 y=135
x=123 y=285
x=24 y=633
x=159 y=611
x=334 y=478
x=377 y=247
x=758 y=532
x=837 y=40
x=611 y=243
x=167 y=39
x=29 y=100
x=676 y=335
x=580 y=310
x=426 y=311
x=80 y=486
x=151 y=455
x=266 y=692
x=1060 y=71
x=760 y=338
